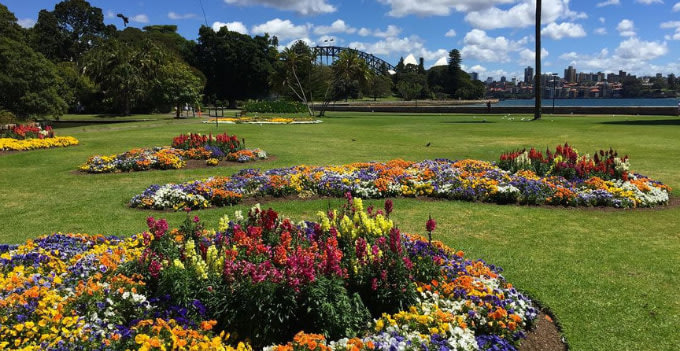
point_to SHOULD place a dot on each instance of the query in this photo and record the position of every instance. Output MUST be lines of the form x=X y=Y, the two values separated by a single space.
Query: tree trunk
x=232 y=104
x=537 y=80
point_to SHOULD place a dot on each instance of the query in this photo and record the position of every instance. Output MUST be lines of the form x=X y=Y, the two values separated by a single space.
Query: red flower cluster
x=566 y=162
x=27 y=131
x=194 y=140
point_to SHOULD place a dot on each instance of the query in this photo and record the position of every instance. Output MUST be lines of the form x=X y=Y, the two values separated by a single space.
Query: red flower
x=388 y=206
x=431 y=224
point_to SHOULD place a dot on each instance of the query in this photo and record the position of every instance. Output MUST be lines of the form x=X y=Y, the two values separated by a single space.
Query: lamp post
x=554 y=90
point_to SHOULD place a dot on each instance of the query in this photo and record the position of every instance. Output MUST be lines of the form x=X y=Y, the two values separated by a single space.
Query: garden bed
x=468 y=180
x=210 y=149
x=261 y=278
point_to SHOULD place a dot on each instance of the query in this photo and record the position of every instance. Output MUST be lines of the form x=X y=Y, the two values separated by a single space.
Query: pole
x=537 y=80
x=554 y=91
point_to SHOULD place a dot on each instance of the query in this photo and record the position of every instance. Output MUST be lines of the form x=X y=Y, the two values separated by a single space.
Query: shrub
x=274 y=107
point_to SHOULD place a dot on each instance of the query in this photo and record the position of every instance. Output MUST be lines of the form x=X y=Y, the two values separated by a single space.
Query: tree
x=411 y=85
x=455 y=72
x=29 y=83
x=125 y=73
x=46 y=37
x=537 y=80
x=631 y=87
x=179 y=85
x=82 y=25
x=350 y=72
x=293 y=73
x=236 y=65
x=79 y=90
x=672 y=82
x=9 y=28
x=379 y=85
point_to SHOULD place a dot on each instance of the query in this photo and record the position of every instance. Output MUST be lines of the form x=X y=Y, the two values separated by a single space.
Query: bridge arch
x=326 y=52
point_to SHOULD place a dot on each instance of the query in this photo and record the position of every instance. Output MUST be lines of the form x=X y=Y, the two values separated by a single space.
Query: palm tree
x=350 y=68
x=537 y=79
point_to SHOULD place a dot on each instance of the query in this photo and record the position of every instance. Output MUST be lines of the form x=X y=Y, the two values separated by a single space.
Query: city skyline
x=495 y=37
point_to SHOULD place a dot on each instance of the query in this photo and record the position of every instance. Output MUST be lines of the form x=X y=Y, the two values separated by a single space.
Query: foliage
x=178 y=85
x=350 y=73
x=411 y=85
x=236 y=65
x=9 y=28
x=278 y=106
x=7 y=117
x=30 y=84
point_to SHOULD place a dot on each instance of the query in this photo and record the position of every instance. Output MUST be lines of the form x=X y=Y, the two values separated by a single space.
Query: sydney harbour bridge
x=327 y=54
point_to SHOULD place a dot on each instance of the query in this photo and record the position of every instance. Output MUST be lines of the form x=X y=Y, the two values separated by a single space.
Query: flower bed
x=263 y=120
x=9 y=144
x=351 y=277
x=185 y=147
x=26 y=131
x=24 y=137
x=468 y=180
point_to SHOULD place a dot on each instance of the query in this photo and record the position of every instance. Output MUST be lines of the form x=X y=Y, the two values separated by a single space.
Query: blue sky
x=495 y=37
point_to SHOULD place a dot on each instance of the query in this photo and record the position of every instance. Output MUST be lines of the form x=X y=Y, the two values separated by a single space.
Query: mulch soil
x=544 y=336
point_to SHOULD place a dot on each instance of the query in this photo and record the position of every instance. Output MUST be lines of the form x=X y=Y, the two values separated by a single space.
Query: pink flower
x=154 y=268
x=196 y=219
x=374 y=284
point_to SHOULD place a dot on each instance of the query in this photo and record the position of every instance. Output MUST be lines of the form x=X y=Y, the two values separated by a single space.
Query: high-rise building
x=529 y=75
x=474 y=76
x=570 y=74
x=503 y=79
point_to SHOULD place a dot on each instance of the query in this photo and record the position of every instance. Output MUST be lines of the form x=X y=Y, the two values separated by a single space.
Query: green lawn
x=611 y=277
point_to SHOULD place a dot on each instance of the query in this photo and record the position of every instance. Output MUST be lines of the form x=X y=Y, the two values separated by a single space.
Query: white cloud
x=339 y=26
x=364 y=32
x=528 y=57
x=564 y=30
x=632 y=55
x=602 y=20
x=600 y=31
x=391 y=31
x=109 y=14
x=283 y=29
x=451 y=33
x=626 y=28
x=231 y=26
x=635 y=49
x=478 y=45
x=676 y=7
x=179 y=16
x=26 y=22
x=671 y=25
x=401 y=8
x=141 y=18
x=521 y=15
x=413 y=45
x=649 y=2
x=608 y=2
x=303 y=7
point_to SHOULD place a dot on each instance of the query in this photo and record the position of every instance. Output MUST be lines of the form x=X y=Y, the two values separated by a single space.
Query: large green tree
x=70 y=30
x=9 y=28
x=30 y=84
x=125 y=73
x=236 y=65
x=180 y=85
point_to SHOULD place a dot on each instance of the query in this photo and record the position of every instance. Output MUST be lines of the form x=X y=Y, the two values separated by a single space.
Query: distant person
x=488 y=106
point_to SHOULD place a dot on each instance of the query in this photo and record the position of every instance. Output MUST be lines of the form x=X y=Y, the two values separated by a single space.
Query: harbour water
x=595 y=102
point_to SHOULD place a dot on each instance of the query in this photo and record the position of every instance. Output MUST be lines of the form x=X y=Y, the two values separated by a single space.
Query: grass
x=609 y=276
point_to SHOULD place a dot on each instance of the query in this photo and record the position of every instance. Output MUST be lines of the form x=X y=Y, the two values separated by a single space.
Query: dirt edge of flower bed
x=191 y=164
x=545 y=335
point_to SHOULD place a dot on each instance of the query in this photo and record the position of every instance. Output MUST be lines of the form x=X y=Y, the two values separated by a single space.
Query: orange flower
x=208 y=325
